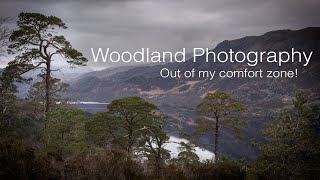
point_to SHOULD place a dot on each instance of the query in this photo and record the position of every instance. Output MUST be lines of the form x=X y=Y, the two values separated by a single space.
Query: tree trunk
x=159 y=161
x=47 y=91
x=216 y=143
x=130 y=140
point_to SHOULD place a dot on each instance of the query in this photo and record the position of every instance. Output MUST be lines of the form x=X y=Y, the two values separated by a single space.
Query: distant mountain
x=64 y=73
x=113 y=70
x=179 y=97
x=104 y=73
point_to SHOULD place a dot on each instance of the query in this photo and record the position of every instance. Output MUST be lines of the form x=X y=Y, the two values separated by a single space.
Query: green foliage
x=64 y=134
x=98 y=130
x=129 y=116
x=219 y=104
x=293 y=145
x=187 y=154
x=36 y=92
x=37 y=39
x=135 y=107
x=132 y=125
x=36 y=42
x=20 y=161
x=37 y=95
x=8 y=88
x=155 y=139
x=219 y=108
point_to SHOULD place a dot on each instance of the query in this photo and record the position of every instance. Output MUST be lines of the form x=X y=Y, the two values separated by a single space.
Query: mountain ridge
x=179 y=97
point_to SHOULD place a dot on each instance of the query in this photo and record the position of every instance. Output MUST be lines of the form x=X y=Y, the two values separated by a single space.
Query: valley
x=179 y=97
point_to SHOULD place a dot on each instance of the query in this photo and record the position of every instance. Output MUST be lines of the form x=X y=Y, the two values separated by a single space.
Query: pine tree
x=155 y=140
x=37 y=94
x=219 y=109
x=292 y=149
x=8 y=79
x=37 y=42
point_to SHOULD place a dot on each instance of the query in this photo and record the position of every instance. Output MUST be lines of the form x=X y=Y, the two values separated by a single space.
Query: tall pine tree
x=37 y=41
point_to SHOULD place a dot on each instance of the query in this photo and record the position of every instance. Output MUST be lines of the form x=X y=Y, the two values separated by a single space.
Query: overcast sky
x=166 y=24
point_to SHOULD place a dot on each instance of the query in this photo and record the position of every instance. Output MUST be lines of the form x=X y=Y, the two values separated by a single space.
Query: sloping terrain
x=179 y=97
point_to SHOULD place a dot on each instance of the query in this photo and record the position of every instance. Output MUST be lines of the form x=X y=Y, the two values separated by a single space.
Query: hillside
x=179 y=97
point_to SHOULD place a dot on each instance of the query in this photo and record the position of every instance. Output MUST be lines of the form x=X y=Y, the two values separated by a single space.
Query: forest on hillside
x=42 y=137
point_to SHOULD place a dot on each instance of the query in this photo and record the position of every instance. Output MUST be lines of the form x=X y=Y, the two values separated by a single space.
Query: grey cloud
x=168 y=24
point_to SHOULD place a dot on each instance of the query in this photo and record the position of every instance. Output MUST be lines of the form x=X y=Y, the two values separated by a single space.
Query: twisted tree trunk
x=47 y=91
x=216 y=143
